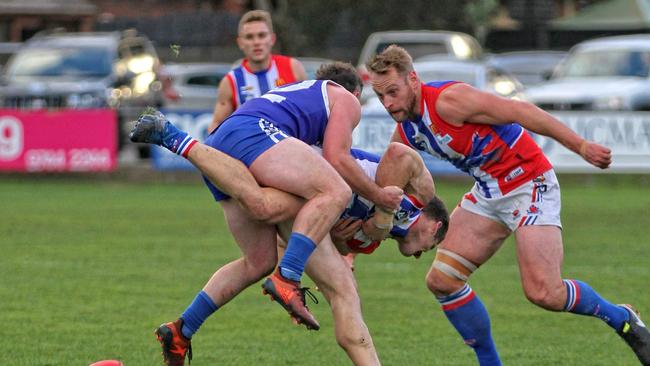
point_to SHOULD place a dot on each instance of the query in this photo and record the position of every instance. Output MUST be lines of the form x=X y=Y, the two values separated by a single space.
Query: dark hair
x=437 y=210
x=342 y=73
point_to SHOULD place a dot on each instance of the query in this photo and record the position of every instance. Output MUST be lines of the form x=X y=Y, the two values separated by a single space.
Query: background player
x=260 y=70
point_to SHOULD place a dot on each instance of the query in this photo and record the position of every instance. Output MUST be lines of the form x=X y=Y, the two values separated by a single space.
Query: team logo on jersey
x=514 y=174
x=271 y=131
x=534 y=210
x=248 y=92
x=433 y=128
x=279 y=81
x=401 y=215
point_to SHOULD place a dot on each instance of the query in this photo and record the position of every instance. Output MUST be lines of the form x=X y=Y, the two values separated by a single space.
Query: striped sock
x=467 y=314
x=583 y=300
x=177 y=141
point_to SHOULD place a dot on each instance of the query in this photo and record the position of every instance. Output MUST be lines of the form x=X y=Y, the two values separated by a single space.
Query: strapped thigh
x=453 y=265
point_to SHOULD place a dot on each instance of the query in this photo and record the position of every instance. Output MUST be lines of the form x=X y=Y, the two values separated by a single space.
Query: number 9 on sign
x=11 y=138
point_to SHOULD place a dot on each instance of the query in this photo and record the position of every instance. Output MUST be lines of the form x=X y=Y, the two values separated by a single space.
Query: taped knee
x=450 y=271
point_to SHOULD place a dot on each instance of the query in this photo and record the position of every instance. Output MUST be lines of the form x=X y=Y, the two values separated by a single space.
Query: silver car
x=609 y=73
x=192 y=86
x=478 y=74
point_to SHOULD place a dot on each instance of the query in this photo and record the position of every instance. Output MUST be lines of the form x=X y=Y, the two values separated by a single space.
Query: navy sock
x=467 y=314
x=295 y=257
x=195 y=314
x=582 y=299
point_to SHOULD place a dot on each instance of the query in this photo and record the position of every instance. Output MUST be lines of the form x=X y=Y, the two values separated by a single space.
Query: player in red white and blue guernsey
x=417 y=227
x=260 y=70
x=515 y=191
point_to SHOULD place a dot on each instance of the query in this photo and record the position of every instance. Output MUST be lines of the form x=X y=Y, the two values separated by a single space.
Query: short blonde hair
x=256 y=16
x=393 y=56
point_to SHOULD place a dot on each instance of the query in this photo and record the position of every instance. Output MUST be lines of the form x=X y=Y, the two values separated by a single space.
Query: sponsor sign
x=627 y=134
x=58 y=141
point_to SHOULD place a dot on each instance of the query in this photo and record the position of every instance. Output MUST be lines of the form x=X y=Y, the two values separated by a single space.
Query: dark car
x=84 y=70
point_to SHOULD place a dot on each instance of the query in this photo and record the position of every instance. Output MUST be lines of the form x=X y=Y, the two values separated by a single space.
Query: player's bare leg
x=470 y=241
x=306 y=174
x=402 y=166
x=233 y=178
x=334 y=278
x=540 y=254
x=257 y=243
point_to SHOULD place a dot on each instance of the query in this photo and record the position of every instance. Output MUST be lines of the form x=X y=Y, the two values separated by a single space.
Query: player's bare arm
x=223 y=107
x=463 y=103
x=345 y=112
x=298 y=70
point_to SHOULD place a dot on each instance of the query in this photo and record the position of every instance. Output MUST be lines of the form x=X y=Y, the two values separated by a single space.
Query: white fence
x=626 y=133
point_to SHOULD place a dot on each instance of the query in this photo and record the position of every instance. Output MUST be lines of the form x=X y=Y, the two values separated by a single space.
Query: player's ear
x=437 y=226
x=273 y=38
x=412 y=78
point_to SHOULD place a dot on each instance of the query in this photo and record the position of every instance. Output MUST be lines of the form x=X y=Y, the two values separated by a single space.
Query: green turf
x=88 y=268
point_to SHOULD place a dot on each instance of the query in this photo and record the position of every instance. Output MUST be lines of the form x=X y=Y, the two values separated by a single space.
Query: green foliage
x=89 y=268
x=310 y=26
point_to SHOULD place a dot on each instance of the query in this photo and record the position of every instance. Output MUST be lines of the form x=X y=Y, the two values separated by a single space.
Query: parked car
x=311 y=65
x=7 y=49
x=609 y=73
x=476 y=73
x=192 y=86
x=529 y=67
x=84 y=70
x=418 y=43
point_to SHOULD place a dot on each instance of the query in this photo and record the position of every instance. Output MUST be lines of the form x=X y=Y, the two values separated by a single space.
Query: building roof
x=608 y=15
x=47 y=7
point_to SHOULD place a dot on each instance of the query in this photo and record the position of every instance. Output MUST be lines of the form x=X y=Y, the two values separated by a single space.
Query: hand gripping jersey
x=300 y=110
x=499 y=157
x=246 y=84
x=361 y=209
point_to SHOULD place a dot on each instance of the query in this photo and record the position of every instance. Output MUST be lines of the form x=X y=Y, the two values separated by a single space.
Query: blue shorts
x=244 y=138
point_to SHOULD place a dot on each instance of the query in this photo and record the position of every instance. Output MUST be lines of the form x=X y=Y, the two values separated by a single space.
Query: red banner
x=57 y=141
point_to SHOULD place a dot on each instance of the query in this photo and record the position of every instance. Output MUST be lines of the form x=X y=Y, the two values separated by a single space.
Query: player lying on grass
x=327 y=268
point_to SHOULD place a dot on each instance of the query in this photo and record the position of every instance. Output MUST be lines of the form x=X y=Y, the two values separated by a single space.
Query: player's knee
x=449 y=273
x=545 y=297
x=440 y=284
x=260 y=265
x=354 y=337
x=341 y=195
x=399 y=153
x=257 y=208
x=397 y=150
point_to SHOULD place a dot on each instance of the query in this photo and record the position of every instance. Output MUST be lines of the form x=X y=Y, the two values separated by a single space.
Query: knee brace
x=453 y=266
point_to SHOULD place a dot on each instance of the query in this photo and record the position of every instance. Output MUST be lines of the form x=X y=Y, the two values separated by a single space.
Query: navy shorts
x=244 y=138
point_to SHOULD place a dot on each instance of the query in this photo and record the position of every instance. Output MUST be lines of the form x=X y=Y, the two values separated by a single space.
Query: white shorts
x=536 y=202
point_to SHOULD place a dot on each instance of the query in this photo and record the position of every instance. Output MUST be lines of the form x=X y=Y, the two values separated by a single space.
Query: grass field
x=89 y=267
